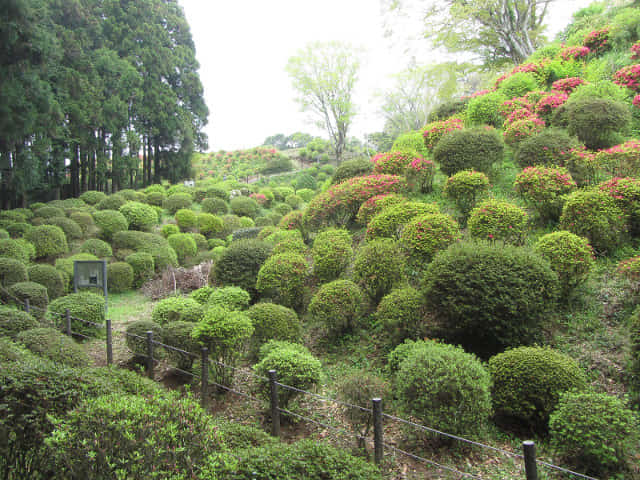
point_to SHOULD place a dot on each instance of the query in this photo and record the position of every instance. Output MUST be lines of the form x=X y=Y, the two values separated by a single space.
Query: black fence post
x=530 y=467
x=109 y=343
x=377 y=430
x=67 y=316
x=150 y=354
x=204 y=377
x=275 y=409
x=27 y=306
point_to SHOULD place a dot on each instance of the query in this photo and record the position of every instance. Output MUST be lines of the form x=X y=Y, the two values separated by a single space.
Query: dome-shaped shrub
x=518 y=84
x=112 y=202
x=420 y=174
x=110 y=222
x=119 y=277
x=543 y=189
x=217 y=192
x=293 y=244
x=498 y=220
x=97 y=247
x=519 y=130
x=434 y=131
x=85 y=306
x=49 y=240
x=485 y=109
x=18 y=230
x=201 y=295
x=14 y=321
x=10 y=248
x=186 y=219
x=50 y=278
x=392 y=163
x=136 y=336
x=400 y=315
x=48 y=211
x=569 y=255
x=214 y=206
x=484 y=315
x=378 y=267
x=175 y=202
x=350 y=169
x=230 y=298
x=209 y=225
x=331 y=254
x=594 y=214
x=390 y=221
x=306 y=194
x=294 y=201
x=169 y=229
x=12 y=271
x=273 y=321
x=626 y=193
x=174 y=309
x=239 y=264
x=230 y=223
x=412 y=141
x=465 y=188
x=184 y=246
x=70 y=228
x=282 y=278
x=469 y=149
x=178 y=335
x=598 y=122
x=34 y=292
x=425 y=235
x=244 y=207
x=93 y=197
x=139 y=215
x=528 y=381
x=337 y=306
x=51 y=344
x=375 y=205
x=444 y=387
x=156 y=199
x=545 y=148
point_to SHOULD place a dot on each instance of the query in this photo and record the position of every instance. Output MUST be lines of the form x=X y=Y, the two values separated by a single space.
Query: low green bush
x=240 y=263
x=110 y=222
x=175 y=202
x=469 y=149
x=17 y=230
x=598 y=122
x=545 y=148
x=331 y=254
x=184 y=245
x=390 y=221
x=518 y=85
x=230 y=223
x=215 y=206
x=49 y=240
x=85 y=306
x=375 y=205
x=425 y=235
x=400 y=315
x=70 y=228
x=178 y=335
x=231 y=298
x=378 y=267
x=139 y=215
x=186 y=219
x=12 y=271
x=273 y=321
x=173 y=309
x=544 y=188
x=448 y=109
x=337 y=305
x=282 y=278
x=10 y=248
x=34 y=292
x=143 y=267
x=136 y=336
x=112 y=202
x=209 y=225
x=351 y=168
x=92 y=197
x=120 y=277
x=497 y=220
x=55 y=346
x=244 y=207
x=464 y=189
x=14 y=321
x=48 y=211
x=49 y=277
x=485 y=109
x=97 y=247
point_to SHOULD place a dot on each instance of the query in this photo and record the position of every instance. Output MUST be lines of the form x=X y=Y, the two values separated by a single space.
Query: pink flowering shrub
x=420 y=173
x=567 y=85
x=549 y=103
x=582 y=165
x=434 y=131
x=543 y=187
x=629 y=77
x=261 y=198
x=626 y=194
x=520 y=130
x=426 y=235
x=375 y=205
x=636 y=101
x=513 y=105
x=392 y=163
x=597 y=41
x=621 y=160
x=340 y=203
x=574 y=53
x=635 y=51
x=498 y=220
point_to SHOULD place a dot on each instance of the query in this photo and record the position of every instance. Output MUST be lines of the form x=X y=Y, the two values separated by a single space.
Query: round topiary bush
x=230 y=223
x=120 y=277
x=184 y=246
x=425 y=235
x=282 y=278
x=485 y=109
x=240 y=263
x=528 y=381
x=469 y=149
x=378 y=267
x=390 y=221
x=400 y=315
x=230 y=298
x=337 y=305
x=598 y=122
x=97 y=247
x=518 y=85
x=52 y=344
x=18 y=230
x=92 y=197
x=244 y=207
x=14 y=321
x=484 y=315
x=273 y=322
x=48 y=211
x=543 y=189
x=495 y=220
x=546 y=148
x=444 y=387
x=34 y=292
x=626 y=193
x=294 y=366
x=50 y=278
x=594 y=432
x=331 y=254
x=375 y=205
x=209 y=225
x=178 y=334
x=10 y=248
x=139 y=215
x=175 y=202
x=136 y=336
x=83 y=307
x=174 y=309
x=351 y=168
x=569 y=255
x=464 y=189
x=186 y=219
x=392 y=163
x=110 y=222
x=217 y=192
x=49 y=240
x=594 y=214
x=12 y=271
x=420 y=174
x=70 y=228
x=112 y=202
x=214 y=206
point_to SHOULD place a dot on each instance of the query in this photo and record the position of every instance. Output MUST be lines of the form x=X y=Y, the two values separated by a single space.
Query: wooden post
x=530 y=467
x=109 y=343
x=275 y=409
x=27 y=306
x=377 y=430
x=150 y=354
x=67 y=316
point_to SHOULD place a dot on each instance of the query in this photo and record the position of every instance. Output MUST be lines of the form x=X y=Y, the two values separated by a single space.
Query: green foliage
x=375 y=205
x=497 y=220
x=201 y=295
x=10 y=248
x=294 y=367
x=351 y=168
x=55 y=346
x=178 y=334
x=244 y=207
x=469 y=149
x=14 y=321
x=230 y=224
x=488 y=296
x=273 y=321
x=546 y=148
x=110 y=222
x=156 y=199
x=186 y=219
x=390 y=221
x=136 y=337
x=184 y=246
x=598 y=122
x=12 y=271
x=331 y=254
x=282 y=278
x=306 y=194
x=209 y=224
x=400 y=315
x=465 y=188
x=20 y=229
x=83 y=305
x=169 y=229
x=569 y=255
x=378 y=267
x=305 y=182
x=425 y=235
x=444 y=387
x=48 y=276
x=543 y=188
x=337 y=305
x=447 y=110
x=485 y=109
x=230 y=298
x=97 y=247
x=240 y=263
x=594 y=432
x=120 y=277
x=633 y=366
x=48 y=211
x=34 y=292
x=177 y=201
x=174 y=309
x=112 y=202
x=214 y=205
x=528 y=381
x=49 y=240
x=410 y=141
x=518 y=85
x=70 y=228
x=594 y=214
x=143 y=267
x=139 y=215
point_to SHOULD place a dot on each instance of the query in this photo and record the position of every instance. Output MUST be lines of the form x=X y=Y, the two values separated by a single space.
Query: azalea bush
x=427 y=234
x=434 y=131
x=498 y=220
x=282 y=278
x=629 y=77
x=392 y=163
x=337 y=306
x=544 y=148
x=465 y=188
x=390 y=221
x=520 y=130
x=549 y=103
x=375 y=205
x=378 y=267
x=597 y=41
x=331 y=254
x=582 y=165
x=543 y=187
x=567 y=85
x=574 y=53
x=635 y=51
x=420 y=173
x=621 y=160
x=485 y=109
x=626 y=193
x=475 y=148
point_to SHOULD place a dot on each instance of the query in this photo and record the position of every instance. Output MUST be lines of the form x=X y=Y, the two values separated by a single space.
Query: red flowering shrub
x=547 y=104
x=375 y=205
x=635 y=50
x=434 y=131
x=427 y=234
x=582 y=165
x=392 y=163
x=542 y=188
x=597 y=41
x=420 y=173
x=261 y=198
x=621 y=160
x=519 y=114
x=636 y=101
x=626 y=194
x=464 y=188
x=517 y=103
x=341 y=202
x=498 y=220
x=519 y=130
x=630 y=269
x=567 y=85
x=629 y=77
x=574 y=53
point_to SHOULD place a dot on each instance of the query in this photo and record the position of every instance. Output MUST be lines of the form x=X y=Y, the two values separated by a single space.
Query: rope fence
x=528 y=455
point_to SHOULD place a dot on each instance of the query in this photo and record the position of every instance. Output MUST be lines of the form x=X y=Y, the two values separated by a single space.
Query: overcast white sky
x=243 y=47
